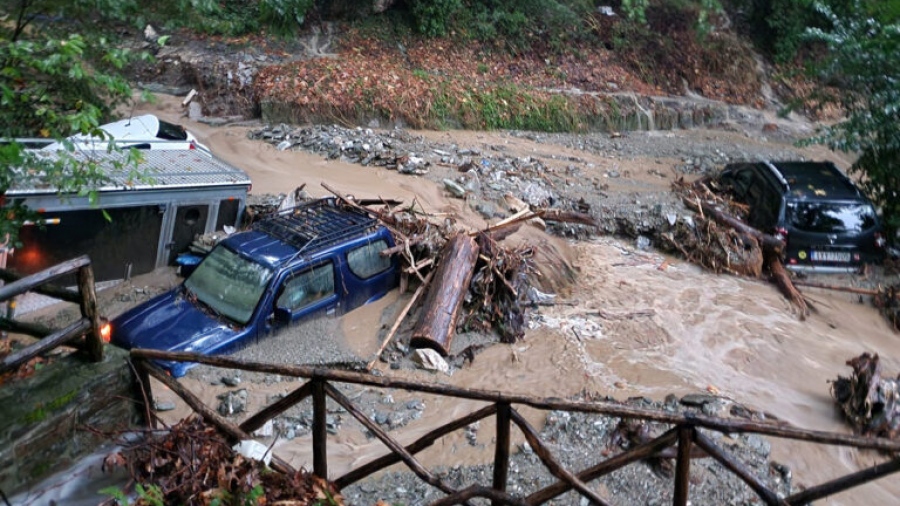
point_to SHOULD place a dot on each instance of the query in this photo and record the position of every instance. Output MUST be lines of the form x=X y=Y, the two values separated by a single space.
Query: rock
x=232 y=402
x=163 y=406
x=430 y=360
x=455 y=189
x=231 y=381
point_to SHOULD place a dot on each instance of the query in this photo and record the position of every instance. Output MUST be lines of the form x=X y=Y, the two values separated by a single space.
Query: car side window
x=306 y=287
x=741 y=182
x=765 y=204
x=366 y=261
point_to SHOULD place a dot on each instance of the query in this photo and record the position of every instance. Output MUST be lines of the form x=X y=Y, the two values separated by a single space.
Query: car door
x=308 y=291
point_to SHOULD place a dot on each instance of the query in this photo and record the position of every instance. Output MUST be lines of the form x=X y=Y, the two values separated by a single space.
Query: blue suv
x=322 y=258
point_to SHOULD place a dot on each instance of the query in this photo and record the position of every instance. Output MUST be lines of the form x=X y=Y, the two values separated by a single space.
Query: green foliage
x=283 y=17
x=636 y=10
x=152 y=495
x=52 y=87
x=864 y=63
x=434 y=18
x=518 y=24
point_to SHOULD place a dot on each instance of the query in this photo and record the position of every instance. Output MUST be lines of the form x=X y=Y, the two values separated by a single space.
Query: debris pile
x=193 y=464
x=886 y=299
x=869 y=401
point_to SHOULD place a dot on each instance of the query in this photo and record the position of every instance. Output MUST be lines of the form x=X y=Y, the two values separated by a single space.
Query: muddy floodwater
x=636 y=323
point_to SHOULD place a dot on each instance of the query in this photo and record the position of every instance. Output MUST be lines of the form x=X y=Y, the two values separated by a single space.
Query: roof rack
x=316 y=225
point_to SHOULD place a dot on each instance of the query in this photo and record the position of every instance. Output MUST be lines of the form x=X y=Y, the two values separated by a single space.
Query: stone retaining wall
x=51 y=419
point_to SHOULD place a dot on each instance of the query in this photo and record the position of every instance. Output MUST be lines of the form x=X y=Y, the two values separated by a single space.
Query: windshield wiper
x=204 y=306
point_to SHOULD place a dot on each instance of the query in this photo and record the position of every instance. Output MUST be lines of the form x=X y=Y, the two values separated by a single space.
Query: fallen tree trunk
x=437 y=324
x=781 y=278
x=768 y=242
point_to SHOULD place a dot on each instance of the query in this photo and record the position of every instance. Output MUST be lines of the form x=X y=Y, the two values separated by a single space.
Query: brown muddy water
x=635 y=324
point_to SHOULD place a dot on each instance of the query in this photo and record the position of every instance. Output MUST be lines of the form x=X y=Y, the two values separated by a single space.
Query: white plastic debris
x=254 y=450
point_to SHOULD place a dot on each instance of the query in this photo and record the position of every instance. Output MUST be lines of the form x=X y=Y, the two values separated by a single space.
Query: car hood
x=171 y=322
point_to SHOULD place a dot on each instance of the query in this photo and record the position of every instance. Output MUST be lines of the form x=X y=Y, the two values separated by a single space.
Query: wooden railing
x=88 y=325
x=678 y=440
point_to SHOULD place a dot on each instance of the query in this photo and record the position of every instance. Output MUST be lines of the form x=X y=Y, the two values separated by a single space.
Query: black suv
x=824 y=219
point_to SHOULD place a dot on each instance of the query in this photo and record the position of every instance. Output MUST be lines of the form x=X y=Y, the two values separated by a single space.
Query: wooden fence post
x=683 y=465
x=501 y=448
x=319 y=429
x=93 y=339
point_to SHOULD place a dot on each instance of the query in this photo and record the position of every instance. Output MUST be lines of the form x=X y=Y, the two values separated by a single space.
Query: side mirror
x=282 y=315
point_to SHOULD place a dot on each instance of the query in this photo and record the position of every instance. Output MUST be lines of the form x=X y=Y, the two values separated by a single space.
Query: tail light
x=192 y=145
x=781 y=234
x=106 y=332
x=879 y=240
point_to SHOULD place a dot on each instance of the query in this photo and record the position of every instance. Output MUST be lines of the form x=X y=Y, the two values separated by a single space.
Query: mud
x=636 y=323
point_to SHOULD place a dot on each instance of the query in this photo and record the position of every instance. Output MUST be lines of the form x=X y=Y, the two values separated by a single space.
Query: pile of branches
x=701 y=240
x=719 y=238
x=193 y=464
x=497 y=289
x=870 y=402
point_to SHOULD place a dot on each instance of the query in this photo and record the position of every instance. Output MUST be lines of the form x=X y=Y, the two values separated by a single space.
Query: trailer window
x=366 y=261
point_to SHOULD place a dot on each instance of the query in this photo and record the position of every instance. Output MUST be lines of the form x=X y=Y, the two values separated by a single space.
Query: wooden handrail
x=28 y=283
x=724 y=425
x=73 y=331
x=684 y=433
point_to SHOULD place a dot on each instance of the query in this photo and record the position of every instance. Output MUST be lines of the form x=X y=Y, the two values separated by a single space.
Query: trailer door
x=190 y=221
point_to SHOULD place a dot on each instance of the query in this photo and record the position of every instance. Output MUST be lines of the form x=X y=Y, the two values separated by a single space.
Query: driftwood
x=781 y=278
x=403 y=313
x=437 y=324
x=869 y=401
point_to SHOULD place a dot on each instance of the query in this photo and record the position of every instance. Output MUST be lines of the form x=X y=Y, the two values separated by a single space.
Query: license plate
x=830 y=256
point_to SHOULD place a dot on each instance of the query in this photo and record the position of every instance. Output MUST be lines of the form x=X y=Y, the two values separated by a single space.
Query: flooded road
x=635 y=324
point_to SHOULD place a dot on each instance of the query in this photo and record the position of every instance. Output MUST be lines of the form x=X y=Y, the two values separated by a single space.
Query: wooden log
x=550 y=462
x=440 y=309
x=93 y=339
x=768 y=242
x=559 y=215
x=415 y=447
x=501 y=447
x=45 y=276
x=837 y=288
x=276 y=408
x=735 y=467
x=57 y=292
x=396 y=326
x=73 y=331
x=845 y=482
x=783 y=280
x=319 y=429
x=683 y=466
x=609 y=465
x=414 y=465
x=473 y=491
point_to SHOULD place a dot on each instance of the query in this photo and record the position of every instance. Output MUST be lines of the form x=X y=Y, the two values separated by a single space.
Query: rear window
x=171 y=131
x=831 y=217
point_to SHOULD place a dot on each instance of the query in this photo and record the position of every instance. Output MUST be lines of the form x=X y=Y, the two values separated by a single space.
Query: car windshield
x=831 y=217
x=229 y=283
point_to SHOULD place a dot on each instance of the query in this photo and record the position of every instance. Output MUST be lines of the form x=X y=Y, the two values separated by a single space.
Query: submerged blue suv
x=322 y=258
